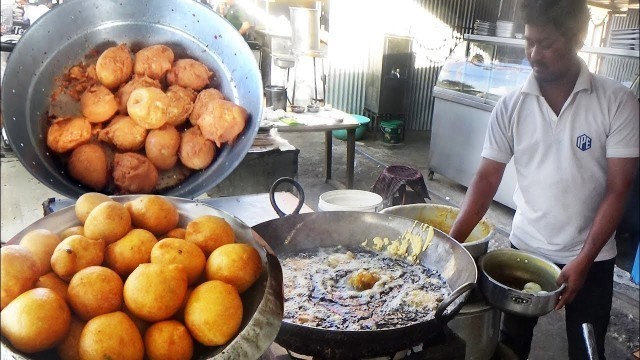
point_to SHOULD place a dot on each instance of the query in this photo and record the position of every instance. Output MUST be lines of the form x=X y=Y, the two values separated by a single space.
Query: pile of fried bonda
x=141 y=114
x=128 y=283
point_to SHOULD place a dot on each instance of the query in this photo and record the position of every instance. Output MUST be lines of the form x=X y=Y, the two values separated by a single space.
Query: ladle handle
x=440 y=316
x=272 y=197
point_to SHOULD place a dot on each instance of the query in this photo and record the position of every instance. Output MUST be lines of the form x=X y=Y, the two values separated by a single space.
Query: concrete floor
x=22 y=197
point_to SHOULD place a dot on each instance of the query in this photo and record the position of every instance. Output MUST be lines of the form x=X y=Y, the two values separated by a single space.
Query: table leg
x=328 y=154
x=351 y=152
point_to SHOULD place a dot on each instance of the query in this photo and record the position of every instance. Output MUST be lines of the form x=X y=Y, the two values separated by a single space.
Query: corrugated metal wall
x=458 y=15
x=621 y=69
x=346 y=80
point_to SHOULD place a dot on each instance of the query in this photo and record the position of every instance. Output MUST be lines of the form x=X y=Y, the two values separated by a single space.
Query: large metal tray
x=66 y=34
x=263 y=303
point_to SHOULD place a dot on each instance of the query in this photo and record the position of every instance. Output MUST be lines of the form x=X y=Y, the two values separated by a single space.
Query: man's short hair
x=569 y=17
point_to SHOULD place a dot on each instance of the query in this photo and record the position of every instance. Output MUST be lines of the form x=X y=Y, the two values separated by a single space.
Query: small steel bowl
x=503 y=273
x=313 y=108
x=298 y=109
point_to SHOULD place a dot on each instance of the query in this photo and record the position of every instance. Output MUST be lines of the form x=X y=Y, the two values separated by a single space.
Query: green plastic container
x=392 y=131
x=360 y=130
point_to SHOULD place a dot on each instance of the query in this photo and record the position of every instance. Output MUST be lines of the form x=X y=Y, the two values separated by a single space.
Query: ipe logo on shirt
x=583 y=142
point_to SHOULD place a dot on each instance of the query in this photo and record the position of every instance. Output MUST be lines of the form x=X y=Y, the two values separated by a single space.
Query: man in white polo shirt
x=574 y=139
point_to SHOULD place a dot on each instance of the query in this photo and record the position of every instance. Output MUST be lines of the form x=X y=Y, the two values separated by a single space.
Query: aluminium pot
x=442 y=218
x=503 y=274
x=301 y=232
x=66 y=34
x=262 y=302
x=478 y=324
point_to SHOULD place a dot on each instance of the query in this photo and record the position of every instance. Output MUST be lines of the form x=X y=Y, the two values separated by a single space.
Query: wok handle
x=440 y=316
x=272 y=197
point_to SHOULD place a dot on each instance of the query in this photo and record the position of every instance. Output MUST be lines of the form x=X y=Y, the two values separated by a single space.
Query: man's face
x=551 y=54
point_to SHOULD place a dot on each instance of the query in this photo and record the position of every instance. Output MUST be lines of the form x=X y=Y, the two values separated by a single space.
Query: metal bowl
x=442 y=218
x=63 y=37
x=298 y=109
x=262 y=303
x=503 y=274
x=313 y=108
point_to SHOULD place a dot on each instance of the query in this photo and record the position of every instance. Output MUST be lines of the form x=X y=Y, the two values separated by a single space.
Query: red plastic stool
x=395 y=179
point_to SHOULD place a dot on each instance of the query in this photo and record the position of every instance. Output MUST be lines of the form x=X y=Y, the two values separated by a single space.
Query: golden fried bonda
x=236 y=264
x=124 y=133
x=148 y=107
x=153 y=213
x=153 y=61
x=189 y=73
x=94 y=291
x=41 y=243
x=114 y=66
x=76 y=253
x=36 y=320
x=98 y=104
x=204 y=104
x=88 y=165
x=134 y=173
x=196 y=152
x=109 y=221
x=111 y=336
x=124 y=255
x=168 y=339
x=18 y=270
x=182 y=100
x=123 y=93
x=225 y=123
x=161 y=147
x=68 y=347
x=155 y=292
x=66 y=134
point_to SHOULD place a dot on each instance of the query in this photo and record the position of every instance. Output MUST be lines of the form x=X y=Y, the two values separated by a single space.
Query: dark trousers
x=591 y=305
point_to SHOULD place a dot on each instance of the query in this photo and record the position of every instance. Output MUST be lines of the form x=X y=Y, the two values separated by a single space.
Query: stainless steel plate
x=263 y=302
x=63 y=37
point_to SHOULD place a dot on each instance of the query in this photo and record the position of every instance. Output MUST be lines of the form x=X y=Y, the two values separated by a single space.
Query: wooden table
x=322 y=121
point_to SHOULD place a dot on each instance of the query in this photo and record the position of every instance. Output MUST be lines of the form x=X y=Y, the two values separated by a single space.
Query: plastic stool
x=395 y=179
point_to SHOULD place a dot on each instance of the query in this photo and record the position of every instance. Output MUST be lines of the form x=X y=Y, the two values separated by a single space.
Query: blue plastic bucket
x=360 y=130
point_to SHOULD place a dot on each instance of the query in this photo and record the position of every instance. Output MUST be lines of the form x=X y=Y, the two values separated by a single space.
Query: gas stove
x=445 y=345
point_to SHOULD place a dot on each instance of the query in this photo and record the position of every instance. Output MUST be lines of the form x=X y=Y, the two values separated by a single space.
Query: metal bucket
x=442 y=217
x=276 y=96
x=305 y=29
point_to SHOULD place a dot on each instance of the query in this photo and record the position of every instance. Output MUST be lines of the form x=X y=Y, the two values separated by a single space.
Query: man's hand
x=573 y=275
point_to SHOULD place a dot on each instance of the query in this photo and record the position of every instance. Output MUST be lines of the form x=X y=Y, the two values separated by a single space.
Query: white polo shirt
x=561 y=161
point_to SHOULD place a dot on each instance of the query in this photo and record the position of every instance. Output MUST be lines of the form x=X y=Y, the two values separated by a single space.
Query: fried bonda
x=153 y=61
x=66 y=134
x=196 y=152
x=225 y=123
x=134 y=173
x=148 y=107
x=181 y=105
x=124 y=133
x=114 y=66
x=98 y=104
x=161 y=147
x=125 y=90
x=204 y=104
x=189 y=73
x=88 y=165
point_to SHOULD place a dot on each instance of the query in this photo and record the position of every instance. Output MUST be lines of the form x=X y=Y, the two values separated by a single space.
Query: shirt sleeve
x=498 y=143
x=624 y=135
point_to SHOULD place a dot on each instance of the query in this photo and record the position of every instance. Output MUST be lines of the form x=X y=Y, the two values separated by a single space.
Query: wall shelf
x=520 y=42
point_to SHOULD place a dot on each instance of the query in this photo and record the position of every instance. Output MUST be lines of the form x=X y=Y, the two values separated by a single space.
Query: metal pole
x=590 y=341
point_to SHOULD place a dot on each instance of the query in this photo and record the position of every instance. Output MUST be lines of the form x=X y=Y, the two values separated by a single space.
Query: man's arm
x=244 y=28
x=620 y=175
x=478 y=198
